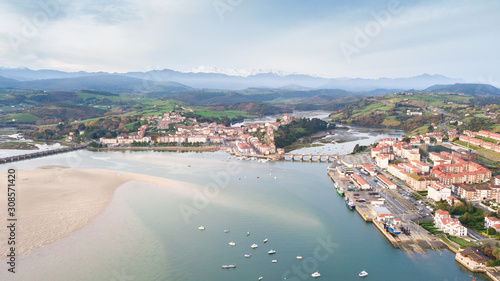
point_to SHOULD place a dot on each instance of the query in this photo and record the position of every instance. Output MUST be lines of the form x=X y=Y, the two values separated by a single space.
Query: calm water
x=148 y=233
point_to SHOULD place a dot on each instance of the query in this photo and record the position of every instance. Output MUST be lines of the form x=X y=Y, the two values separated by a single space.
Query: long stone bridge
x=309 y=157
x=40 y=154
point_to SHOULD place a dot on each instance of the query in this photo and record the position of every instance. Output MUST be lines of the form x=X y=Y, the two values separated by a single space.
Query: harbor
x=390 y=217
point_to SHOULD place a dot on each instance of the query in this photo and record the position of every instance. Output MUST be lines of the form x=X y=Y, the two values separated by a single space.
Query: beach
x=52 y=204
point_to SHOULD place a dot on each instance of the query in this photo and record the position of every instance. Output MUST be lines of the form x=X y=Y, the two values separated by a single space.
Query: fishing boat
x=349 y=203
x=340 y=191
x=229 y=266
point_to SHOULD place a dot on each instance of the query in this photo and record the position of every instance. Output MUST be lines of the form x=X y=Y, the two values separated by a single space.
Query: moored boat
x=201 y=228
x=254 y=246
x=248 y=255
x=232 y=243
x=229 y=266
x=349 y=203
x=340 y=191
x=272 y=252
x=363 y=273
x=315 y=275
x=299 y=257
x=265 y=241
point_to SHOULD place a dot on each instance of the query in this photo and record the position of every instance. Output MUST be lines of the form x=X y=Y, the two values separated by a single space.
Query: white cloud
x=455 y=39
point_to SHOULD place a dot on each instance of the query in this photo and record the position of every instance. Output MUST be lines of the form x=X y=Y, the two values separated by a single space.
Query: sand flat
x=51 y=204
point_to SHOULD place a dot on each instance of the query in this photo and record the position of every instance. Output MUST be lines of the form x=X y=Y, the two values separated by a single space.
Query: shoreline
x=160 y=148
x=55 y=203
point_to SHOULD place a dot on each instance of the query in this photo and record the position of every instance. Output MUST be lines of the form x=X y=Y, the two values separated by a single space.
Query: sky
x=336 y=38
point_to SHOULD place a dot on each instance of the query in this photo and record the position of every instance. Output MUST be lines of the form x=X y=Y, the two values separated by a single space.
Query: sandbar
x=52 y=204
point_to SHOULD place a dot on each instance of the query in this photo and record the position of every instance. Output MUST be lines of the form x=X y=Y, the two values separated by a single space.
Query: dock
x=40 y=154
x=412 y=238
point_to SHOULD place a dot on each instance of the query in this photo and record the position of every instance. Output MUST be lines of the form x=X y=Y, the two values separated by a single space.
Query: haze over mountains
x=170 y=80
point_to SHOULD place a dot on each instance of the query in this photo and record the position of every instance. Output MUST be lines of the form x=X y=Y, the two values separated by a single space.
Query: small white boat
x=248 y=255
x=315 y=275
x=248 y=233
x=229 y=266
x=254 y=246
x=260 y=278
x=201 y=228
x=265 y=241
x=272 y=252
x=274 y=261
x=226 y=230
x=363 y=273
x=299 y=257
x=232 y=243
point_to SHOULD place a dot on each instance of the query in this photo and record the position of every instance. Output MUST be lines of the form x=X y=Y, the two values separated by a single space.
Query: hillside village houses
x=205 y=133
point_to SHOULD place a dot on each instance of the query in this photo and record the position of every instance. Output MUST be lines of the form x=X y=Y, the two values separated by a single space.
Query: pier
x=412 y=238
x=40 y=154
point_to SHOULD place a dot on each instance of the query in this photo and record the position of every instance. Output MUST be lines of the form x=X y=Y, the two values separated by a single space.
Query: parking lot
x=357 y=159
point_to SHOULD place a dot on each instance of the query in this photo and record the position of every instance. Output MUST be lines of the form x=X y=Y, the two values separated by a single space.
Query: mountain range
x=175 y=81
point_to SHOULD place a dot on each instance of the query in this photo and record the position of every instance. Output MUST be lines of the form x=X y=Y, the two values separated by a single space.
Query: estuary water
x=147 y=233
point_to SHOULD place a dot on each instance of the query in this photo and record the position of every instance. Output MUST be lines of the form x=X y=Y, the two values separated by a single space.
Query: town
x=402 y=187
x=188 y=132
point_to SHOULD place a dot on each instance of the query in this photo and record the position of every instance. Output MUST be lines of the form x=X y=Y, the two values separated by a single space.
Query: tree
x=491 y=231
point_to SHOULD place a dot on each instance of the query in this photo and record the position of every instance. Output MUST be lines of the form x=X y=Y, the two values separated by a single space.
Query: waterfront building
x=244 y=148
x=472 y=258
x=444 y=222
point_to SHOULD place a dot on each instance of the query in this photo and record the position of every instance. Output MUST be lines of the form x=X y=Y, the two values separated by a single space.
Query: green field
x=429 y=226
x=23 y=117
x=461 y=241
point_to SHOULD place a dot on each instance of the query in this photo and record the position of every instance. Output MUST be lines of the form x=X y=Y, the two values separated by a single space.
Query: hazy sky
x=343 y=38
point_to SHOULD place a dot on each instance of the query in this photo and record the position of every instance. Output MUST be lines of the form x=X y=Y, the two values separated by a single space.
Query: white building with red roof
x=444 y=222
x=492 y=222
x=360 y=182
x=438 y=191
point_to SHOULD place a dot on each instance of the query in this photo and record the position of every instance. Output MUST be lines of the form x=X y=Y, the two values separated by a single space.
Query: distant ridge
x=100 y=82
x=468 y=89
x=171 y=80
